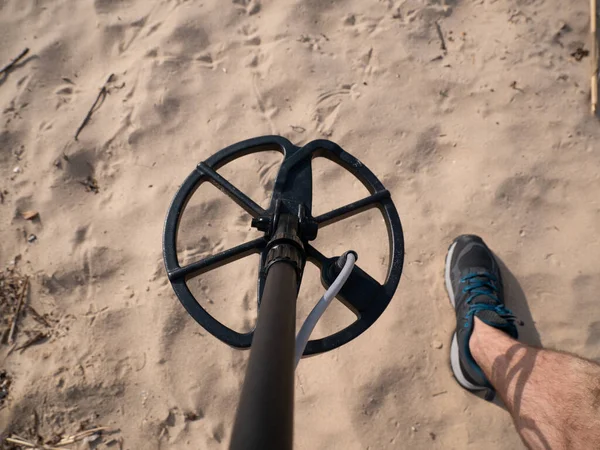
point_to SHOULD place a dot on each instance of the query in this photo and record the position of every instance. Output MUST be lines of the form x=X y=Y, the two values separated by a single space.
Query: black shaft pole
x=265 y=415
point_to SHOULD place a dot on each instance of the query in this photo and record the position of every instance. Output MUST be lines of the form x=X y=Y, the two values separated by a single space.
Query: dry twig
x=13 y=326
x=79 y=436
x=441 y=36
x=11 y=64
x=14 y=439
x=37 y=316
x=25 y=443
x=595 y=68
x=38 y=337
x=99 y=99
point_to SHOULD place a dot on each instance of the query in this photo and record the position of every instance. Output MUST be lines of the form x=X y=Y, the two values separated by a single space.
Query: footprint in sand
x=363 y=25
x=190 y=38
x=110 y=6
x=267 y=174
x=12 y=112
x=365 y=63
x=252 y=39
x=423 y=154
x=265 y=103
x=414 y=10
x=250 y=35
x=64 y=95
x=314 y=42
x=328 y=106
x=250 y=7
x=209 y=60
x=524 y=191
x=80 y=235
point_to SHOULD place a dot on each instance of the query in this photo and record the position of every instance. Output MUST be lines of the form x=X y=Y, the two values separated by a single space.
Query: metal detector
x=264 y=418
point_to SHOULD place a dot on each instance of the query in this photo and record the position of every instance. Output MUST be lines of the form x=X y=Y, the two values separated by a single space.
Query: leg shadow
x=517 y=303
x=518 y=363
x=514 y=368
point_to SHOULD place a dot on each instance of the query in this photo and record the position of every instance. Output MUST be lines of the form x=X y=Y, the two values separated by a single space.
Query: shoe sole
x=454 y=354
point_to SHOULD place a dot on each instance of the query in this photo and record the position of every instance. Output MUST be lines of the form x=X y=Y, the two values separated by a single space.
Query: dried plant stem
x=13 y=326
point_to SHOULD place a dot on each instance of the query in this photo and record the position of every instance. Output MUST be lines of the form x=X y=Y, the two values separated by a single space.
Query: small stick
x=13 y=326
x=23 y=443
x=100 y=98
x=16 y=436
x=593 y=31
x=441 y=36
x=16 y=441
x=34 y=340
x=37 y=316
x=79 y=436
x=14 y=61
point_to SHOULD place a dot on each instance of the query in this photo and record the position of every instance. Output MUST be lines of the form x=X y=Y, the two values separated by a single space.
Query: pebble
x=17 y=170
x=91 y=439
x=31 y=238
x=437 y=344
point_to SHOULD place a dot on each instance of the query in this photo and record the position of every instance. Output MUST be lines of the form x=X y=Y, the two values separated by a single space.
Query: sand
x=491 y=136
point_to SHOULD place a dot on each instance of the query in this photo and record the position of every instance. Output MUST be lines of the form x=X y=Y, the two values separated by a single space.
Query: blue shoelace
x=484 y=284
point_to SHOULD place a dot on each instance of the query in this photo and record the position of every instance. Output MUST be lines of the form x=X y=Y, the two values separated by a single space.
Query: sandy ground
x=492 y=136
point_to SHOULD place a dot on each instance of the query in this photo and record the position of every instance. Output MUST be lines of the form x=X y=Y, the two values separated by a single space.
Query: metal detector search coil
x=288 y=228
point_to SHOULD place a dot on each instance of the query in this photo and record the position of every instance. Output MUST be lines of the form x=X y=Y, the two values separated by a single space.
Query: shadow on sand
x=517 y=303
x=514 y=368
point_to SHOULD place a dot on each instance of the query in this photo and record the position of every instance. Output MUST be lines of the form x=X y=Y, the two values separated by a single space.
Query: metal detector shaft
x=265 y=414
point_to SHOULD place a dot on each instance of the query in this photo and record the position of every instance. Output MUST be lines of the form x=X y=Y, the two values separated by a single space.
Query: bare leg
x=553 y=397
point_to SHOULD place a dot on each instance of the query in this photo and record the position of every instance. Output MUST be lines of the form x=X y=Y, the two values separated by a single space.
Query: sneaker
x=474 y=285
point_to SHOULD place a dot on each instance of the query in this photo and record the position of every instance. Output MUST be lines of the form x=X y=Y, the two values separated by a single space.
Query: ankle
x=487 y=343
x=476 y=343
